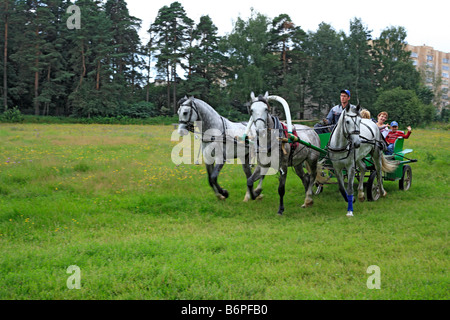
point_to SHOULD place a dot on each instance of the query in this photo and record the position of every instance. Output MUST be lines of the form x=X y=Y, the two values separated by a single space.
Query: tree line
x=105 y=69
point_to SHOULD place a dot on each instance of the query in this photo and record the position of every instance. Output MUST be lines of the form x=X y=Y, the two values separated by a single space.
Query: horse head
x=187 y=115
x=351 y=124
x=260 y=112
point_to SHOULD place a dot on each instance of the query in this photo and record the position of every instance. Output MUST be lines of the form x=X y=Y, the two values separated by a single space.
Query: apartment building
x=434 y=65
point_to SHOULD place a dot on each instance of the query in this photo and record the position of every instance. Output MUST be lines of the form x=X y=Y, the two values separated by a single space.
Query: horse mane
x=262 y=99
x=182 y=100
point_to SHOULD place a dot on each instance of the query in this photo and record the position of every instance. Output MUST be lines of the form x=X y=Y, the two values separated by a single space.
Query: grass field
x=108 y=199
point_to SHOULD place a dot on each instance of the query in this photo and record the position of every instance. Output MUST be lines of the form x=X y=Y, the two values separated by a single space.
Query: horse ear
x=358 y=108
x=252 y=96
x=266 y=95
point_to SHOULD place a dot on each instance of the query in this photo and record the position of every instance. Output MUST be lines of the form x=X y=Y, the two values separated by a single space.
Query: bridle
x=356 y=131
x=261 y=119
x=260 y=99
x=276 y=125
x=347 y=134
x=192 y=109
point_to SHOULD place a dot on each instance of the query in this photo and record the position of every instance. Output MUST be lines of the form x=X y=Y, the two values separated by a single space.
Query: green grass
x=108 y=199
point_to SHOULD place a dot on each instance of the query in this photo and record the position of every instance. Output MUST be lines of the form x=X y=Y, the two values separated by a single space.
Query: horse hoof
x=308 y=204
x=350 y=214
x=385 y=194
x=225 y=193
x=260 y=197
x=220 y=197
x=361 y=199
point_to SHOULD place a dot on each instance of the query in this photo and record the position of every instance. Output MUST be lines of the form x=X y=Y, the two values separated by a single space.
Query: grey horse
x=269 y=130
x=351 y=141
x=220 y=140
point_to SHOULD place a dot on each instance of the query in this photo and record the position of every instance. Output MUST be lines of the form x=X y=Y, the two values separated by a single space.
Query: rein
x=190 y=126
x=348 y=148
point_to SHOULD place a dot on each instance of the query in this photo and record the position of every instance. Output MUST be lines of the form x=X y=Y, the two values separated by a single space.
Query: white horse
x=351 y=141
x=269 y=128
x=219 y=140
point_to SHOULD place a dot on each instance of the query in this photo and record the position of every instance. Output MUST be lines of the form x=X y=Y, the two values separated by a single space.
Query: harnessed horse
x=351 y=141
x=219 y=141
x=267 y=125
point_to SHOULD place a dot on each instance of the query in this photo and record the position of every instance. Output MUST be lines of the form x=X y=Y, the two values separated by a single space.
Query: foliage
x=12 y=115
x=404 y=107
x=103 y=69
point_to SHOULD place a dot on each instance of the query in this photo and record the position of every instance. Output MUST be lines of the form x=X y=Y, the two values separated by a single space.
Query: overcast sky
x=426 y=22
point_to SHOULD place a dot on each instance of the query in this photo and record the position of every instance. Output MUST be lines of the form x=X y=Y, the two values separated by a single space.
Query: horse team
x=266 y=143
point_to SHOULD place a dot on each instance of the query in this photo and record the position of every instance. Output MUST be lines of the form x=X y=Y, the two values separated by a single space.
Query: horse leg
x=351 y=178
x=340 y=179
x=214 y=176
x=306 y=178
x=213 y=173
x=362 y=173
x=254 y=177
x=312 y=168
x=248 y=173
x=209 y=170
x=258 y=189
x=378 y=167
x=282 y=188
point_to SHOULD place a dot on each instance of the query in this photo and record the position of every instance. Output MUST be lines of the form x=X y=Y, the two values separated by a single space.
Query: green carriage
x=403 y=173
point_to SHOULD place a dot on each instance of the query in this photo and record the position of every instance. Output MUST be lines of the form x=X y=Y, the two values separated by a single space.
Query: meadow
x=109 y=200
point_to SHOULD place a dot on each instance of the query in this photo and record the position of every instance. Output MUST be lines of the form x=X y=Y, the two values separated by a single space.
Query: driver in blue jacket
x=335 y=112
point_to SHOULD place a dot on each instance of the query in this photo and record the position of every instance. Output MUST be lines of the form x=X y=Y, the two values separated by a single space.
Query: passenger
x=384 y=128
x=365 y=114
x=393 y=135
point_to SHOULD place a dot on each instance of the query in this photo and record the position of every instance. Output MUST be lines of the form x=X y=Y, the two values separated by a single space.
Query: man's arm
x=330 y=116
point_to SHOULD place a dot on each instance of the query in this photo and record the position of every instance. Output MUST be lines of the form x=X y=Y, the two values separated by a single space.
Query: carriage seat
x=399 y=152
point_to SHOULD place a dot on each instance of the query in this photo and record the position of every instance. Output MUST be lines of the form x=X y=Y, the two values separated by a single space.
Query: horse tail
x=388 y=165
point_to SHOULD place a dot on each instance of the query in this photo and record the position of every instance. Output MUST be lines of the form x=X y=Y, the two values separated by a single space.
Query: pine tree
x=126 y=42
x=204 y=59
x=327 y=71
x=251 y=65
x=359 y=65
x=394 y=67
x=173 y=29
x=6 y=7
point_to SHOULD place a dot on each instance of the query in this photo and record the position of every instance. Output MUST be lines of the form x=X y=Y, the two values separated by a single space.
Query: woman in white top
x=384 y=128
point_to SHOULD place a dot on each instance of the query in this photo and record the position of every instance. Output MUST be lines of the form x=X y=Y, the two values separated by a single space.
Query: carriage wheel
x=373 y=191
x=317 y=188
x=406 y=180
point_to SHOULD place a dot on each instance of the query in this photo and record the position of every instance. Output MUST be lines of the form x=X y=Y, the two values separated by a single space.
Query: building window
x=444 y=60
x=429 y=65
x=445 y=97
x=444 y=74
x=414 y=62
x=414 y=55
x=429 y=80
x=445 y=90
x=447 y=68
x=429 y=58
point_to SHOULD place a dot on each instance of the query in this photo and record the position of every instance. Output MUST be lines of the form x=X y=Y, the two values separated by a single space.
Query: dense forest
x=58 y=61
